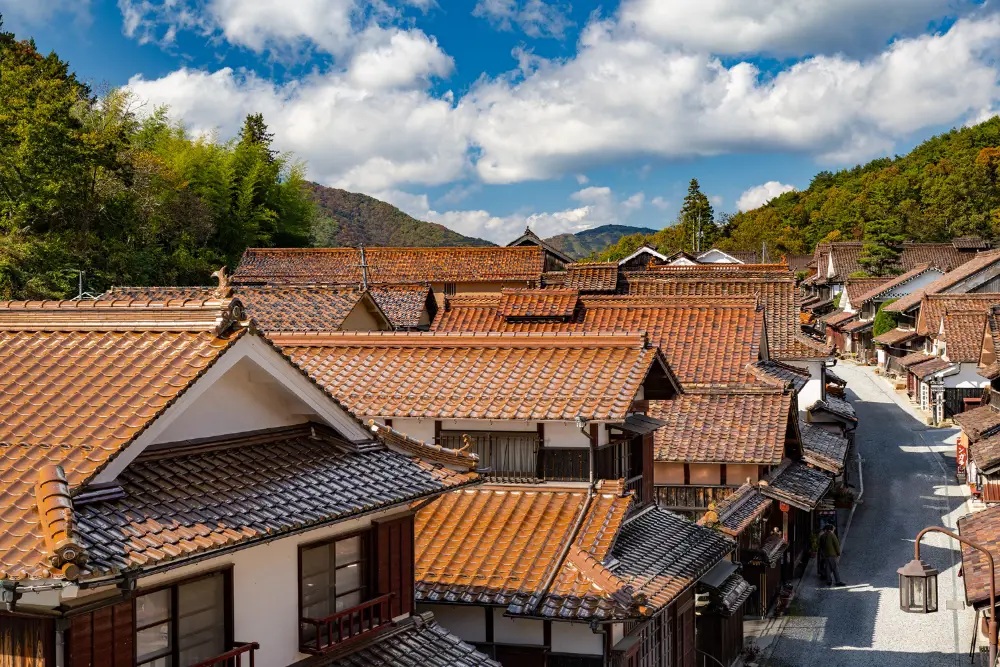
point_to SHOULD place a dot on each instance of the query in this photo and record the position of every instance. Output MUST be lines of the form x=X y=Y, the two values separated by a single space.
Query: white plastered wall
x=265 y=588
x=576 y=638
x=466 y=622
x=244 y=399
x=966 y=378
x=519 y=631
x=815 y=388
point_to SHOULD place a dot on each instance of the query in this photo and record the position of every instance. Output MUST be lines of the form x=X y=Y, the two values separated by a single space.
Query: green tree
x=696 y=220
x=884 y=321
x=882 y=248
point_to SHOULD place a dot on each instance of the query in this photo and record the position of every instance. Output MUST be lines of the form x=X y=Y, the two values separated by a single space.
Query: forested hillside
x=596 y=240
x=87 y=185
x=350 y=218
x=945 y=187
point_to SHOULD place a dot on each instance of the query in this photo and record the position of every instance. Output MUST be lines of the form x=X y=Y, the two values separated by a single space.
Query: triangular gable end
x=644 y=250
x=716 y=256
x=251 y=386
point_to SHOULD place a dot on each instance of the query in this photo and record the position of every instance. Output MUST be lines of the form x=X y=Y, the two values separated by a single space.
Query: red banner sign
x=961 y=455
x=783 y=507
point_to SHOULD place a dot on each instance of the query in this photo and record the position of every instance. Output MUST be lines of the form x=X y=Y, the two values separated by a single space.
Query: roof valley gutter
x=574 y=533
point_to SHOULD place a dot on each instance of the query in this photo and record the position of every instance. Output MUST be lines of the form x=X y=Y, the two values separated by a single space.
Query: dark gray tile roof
x=773 y=547
x=836 y=406
x=730 y=596
x=663 y=554
x=783 y=373
x=822 y=448
x=417 y=642
x=206 y=496
x=797 y=484
x=737 y=511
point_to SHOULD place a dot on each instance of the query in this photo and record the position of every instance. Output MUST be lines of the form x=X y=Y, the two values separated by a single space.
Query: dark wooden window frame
x=227 y=600
x=368 y=576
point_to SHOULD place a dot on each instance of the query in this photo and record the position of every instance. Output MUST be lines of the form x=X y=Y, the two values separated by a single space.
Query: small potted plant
x=813 y=545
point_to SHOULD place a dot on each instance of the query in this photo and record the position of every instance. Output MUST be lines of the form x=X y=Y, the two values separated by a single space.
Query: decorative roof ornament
x=223 y=290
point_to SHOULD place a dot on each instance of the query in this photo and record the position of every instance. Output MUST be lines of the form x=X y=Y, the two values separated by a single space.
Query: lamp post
x=918 y=585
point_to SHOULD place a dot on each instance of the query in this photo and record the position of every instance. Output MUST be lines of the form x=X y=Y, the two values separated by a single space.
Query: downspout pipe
x=581 y=423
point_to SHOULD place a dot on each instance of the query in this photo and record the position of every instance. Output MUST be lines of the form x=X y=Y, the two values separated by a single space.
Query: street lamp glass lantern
x=918 y=588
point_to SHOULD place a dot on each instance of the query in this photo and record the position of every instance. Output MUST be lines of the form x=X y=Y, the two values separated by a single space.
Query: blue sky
x=486 y=115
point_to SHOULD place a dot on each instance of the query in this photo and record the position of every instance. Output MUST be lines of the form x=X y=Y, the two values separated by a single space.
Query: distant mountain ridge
x=583 y=244
x=353 y=219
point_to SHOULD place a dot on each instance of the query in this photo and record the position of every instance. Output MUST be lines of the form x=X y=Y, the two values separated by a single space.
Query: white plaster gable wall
x=966 y=378
x=244 y=399
x=418 y=429
x=912 y=285
x=266 y=588
x=682 y=261
x=715 y=256
x=250 y=349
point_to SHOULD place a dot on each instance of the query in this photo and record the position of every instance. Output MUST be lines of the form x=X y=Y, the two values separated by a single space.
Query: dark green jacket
x=829 y=545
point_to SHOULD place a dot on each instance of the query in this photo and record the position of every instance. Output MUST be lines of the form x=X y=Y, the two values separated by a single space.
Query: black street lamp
x=918 y=592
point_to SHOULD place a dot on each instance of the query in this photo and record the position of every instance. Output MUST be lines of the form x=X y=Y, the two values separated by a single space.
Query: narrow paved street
x=909 y=484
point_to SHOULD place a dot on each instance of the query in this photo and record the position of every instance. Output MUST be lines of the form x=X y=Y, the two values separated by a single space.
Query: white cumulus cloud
x=759 y=195
x=537 y=18
x=594 y=206
x=625 y=96
x=786 y=27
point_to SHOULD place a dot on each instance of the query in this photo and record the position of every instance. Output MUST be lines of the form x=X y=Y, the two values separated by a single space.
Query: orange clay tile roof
x=538 y=303
x=934 y=306
x=983 y=528
x=857 y=287
x=724 y=427
x=896 y=336
x=76 y=398
x=299 y=308
x=976 y=263
x=284 y=266
x=404 y=305
x=963 y=335
x=776 y=291
x=882 y=285
x=204 y=496
x=478 y=376
x=498 y=544
x=140 y=294
x=837 y=318
x=846 y=256
x=592 y=276
x=705 y=340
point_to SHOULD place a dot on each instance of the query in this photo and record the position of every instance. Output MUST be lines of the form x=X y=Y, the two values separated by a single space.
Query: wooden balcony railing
x=565 y=465
x=697 y=498
x=347 y=625
x=233 y=658
x=510 y=457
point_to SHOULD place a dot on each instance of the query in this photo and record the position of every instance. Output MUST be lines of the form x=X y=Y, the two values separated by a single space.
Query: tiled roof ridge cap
x=215 y=443
x=85 y=305
x=732 y=390
x=66 y=554
x=593 y=339
x=555 y=291
x=421 y=448
x=588 y=265
x=210 y=315
x=619 y=590
x=377 y=249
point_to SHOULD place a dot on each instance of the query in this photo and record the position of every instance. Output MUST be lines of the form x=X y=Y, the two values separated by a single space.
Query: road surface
x=909 y=484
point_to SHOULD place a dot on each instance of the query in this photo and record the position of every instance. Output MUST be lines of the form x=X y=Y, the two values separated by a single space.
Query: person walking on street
x=829 y=551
